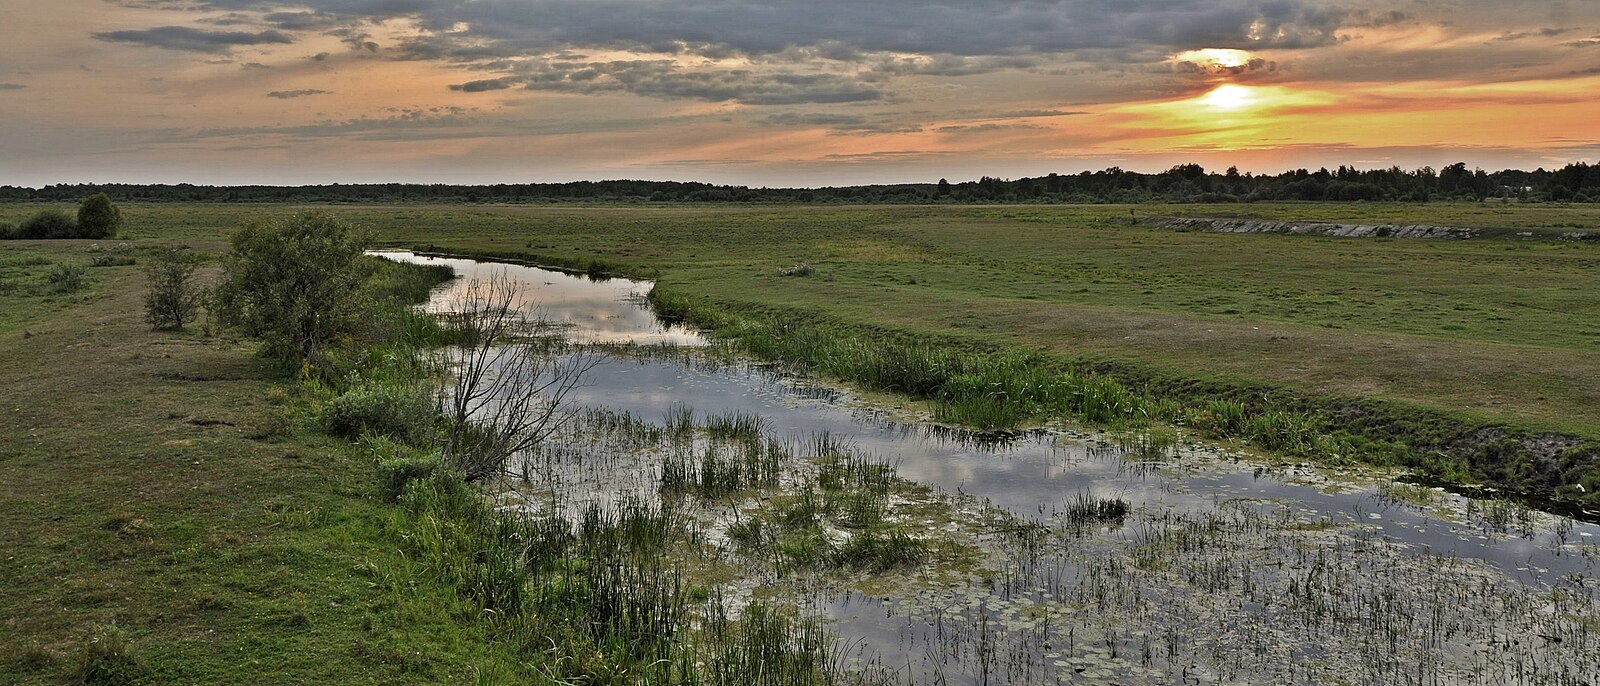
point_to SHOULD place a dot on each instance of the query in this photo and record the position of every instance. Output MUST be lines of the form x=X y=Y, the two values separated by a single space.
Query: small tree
x=171 y=298
x=98 y=217
x=509 y=380
x=295 y=282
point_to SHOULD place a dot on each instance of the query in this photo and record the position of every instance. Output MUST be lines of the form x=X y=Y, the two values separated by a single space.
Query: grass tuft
x=107 y=658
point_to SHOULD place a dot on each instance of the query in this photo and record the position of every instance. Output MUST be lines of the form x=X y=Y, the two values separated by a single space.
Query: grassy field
x=1499 y=329
x=166 y=523
x=156 y=494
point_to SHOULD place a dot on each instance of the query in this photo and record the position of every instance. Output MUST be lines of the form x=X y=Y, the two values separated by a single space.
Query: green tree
x=171 y=298
x=296 y=283
x=98 y=217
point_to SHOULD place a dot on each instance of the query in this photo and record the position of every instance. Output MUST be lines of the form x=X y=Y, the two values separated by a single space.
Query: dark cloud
x=196 y=40
x=1253 y=66
x=814 y=119
x=302 y=21
x=983 y=128
x=1583 y=43
x=838 y=124
x=1541 y=33
x=399 y=123
x=289 y=95
x=886 y=156
x=230 y=19
x=843 y=27
x=417 y=124
x=356 y=39
x=12 y=86
x=666 y=79
x=486 y=85
x=949 y=65
x=1029 y=114
x=169 y=5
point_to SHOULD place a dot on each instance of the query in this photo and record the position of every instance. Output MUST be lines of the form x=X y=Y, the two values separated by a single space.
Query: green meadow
x=1502 y=328
x=160 y=489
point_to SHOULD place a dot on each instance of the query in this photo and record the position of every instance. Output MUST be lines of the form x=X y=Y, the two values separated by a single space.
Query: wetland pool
x=1224 y=568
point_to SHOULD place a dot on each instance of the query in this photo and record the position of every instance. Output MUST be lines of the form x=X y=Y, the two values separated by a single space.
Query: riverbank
x=169 y=519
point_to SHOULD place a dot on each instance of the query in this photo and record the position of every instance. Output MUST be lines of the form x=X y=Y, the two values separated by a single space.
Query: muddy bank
x=1314 y=228
x=1310 y=228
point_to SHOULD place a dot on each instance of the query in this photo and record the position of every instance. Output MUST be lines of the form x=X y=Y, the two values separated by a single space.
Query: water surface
x=1289 y=520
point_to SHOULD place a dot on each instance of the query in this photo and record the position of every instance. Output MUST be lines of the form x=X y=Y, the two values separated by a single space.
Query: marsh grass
x=595 y=595
x=605 y=591
x=1085 y=510
x=736 y=425
x=992 y=388
x=769 y=646
x=1502 y=516
x=679 y=421
x=835 y=517
x=724 y=466
x=1413 y=495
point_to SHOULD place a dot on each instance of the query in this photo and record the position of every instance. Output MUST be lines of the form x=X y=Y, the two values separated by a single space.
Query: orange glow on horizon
x=1233 y=116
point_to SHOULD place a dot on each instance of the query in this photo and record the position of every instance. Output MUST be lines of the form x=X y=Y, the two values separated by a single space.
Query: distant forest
x=1578 y=182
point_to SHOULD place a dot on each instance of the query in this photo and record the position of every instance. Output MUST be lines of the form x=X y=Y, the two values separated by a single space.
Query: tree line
x=97 y=218
x=1576 y=182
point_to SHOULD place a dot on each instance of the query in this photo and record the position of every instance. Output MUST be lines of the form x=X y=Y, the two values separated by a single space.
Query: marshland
x=831 y=460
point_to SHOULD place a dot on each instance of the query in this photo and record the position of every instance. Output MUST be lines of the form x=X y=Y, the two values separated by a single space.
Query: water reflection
x=595 y=311
x=1260 y=531
x=1029 y=473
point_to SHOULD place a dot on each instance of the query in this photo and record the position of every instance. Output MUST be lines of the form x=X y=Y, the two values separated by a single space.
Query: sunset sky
x=774 y=92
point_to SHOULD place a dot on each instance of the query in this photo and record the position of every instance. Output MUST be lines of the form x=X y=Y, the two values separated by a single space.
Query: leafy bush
x=49 y=224
x=398 y=471
x=9 y=231
x=112 y=261
x=68 y=277
x=399 y=412
x=296 y=282
x=98 y=217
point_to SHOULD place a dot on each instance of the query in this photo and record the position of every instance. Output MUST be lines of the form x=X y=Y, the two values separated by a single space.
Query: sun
x=1216 y=58
x=1230 y=97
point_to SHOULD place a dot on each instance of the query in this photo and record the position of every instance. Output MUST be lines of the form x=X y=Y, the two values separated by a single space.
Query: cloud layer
x=766 y=27
x=192 y=39
x=584 y=88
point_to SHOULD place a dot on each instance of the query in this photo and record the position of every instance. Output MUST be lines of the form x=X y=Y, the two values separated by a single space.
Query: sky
x=783 y=92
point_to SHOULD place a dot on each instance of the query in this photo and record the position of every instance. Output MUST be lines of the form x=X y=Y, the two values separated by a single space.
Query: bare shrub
x=511 y=373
